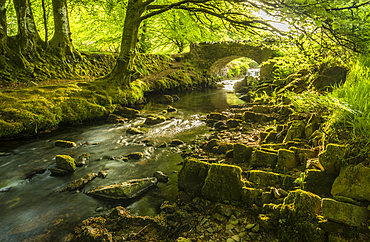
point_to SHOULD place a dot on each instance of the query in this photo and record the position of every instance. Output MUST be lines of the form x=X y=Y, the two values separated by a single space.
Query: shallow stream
x=33 y=209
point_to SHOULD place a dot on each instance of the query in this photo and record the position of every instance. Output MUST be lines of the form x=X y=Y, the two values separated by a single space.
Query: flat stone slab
x=343 y=212
x=124 y=190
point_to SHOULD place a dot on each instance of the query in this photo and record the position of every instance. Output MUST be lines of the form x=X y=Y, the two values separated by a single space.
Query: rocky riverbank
x=264 y=173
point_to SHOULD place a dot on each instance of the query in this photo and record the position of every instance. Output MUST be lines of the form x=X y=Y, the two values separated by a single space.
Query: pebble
x=256 y=228
x=219 y=217
x=229 y=227
x=210 y=230
x=233 y=220
x=236 y=238
x=249 y=226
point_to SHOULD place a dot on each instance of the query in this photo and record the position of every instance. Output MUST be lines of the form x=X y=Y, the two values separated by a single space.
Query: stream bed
x=33 y=209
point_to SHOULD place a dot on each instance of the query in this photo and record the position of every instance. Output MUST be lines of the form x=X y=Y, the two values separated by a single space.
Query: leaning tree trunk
x=123 y=70
x=62 y=35
x=28 y=37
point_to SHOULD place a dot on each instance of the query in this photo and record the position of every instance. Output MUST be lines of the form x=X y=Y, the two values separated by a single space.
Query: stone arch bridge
x=213 y=57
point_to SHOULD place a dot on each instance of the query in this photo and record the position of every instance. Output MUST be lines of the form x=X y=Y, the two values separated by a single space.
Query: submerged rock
x=113 y=118
x=165 y=99
x=58 y=172
x=132 y=130
x=124 y=190
x=154 y=120
x=126 y=112
x=170 y=109
x=102 y=174
x=79 y=183
x=161 y=177
x=65 y=144
x=81 y=161
x=135 y=155
x=176 y=142
x=65 y=162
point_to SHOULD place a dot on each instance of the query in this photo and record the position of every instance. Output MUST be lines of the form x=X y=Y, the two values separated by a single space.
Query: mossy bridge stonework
x=213 y=57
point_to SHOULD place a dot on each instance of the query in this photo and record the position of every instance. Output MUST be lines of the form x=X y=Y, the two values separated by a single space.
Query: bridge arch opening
x=233 y=66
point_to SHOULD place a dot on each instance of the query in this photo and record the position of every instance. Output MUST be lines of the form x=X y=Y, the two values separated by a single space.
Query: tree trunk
x=62 y=35
x=3 y=28
x=45 y=24
x=28 y=37
x=124 y=69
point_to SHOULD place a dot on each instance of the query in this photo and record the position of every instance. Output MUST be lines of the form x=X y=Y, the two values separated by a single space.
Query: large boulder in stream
x=124 y=190
x=65 y=162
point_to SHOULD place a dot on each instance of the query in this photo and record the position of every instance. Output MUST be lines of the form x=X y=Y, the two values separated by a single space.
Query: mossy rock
x=304 y=201
x=132 y=130
x=270 y=137
x=192 y=176
x=223 y=148
x=346 y=213
x=166 y=99
x=353 y=182
x=313 y=124
x=217 y=116
x=250 y=195
x=242 y=153
x=223 y=183
x=331 y=159
x=65 y=144
x=65 y=162
x=286 y=160
x=318 y=182
x=256 y=117
x=295 y=131
x=79 y=183
x=82 y=159
x=262 y=158
x=170 y=109
x=155 y=120
x=212 y=143
x=124 y=190
x=265 y=179
x=126 y=112
x=233 y=123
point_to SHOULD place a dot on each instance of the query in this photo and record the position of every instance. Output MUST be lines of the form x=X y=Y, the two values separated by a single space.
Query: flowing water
x=33 y=210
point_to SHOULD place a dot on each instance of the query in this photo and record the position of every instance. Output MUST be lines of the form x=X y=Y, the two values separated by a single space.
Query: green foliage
x=355 y=94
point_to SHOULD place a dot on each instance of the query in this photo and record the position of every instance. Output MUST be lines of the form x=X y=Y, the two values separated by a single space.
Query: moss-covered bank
x=39 y=108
